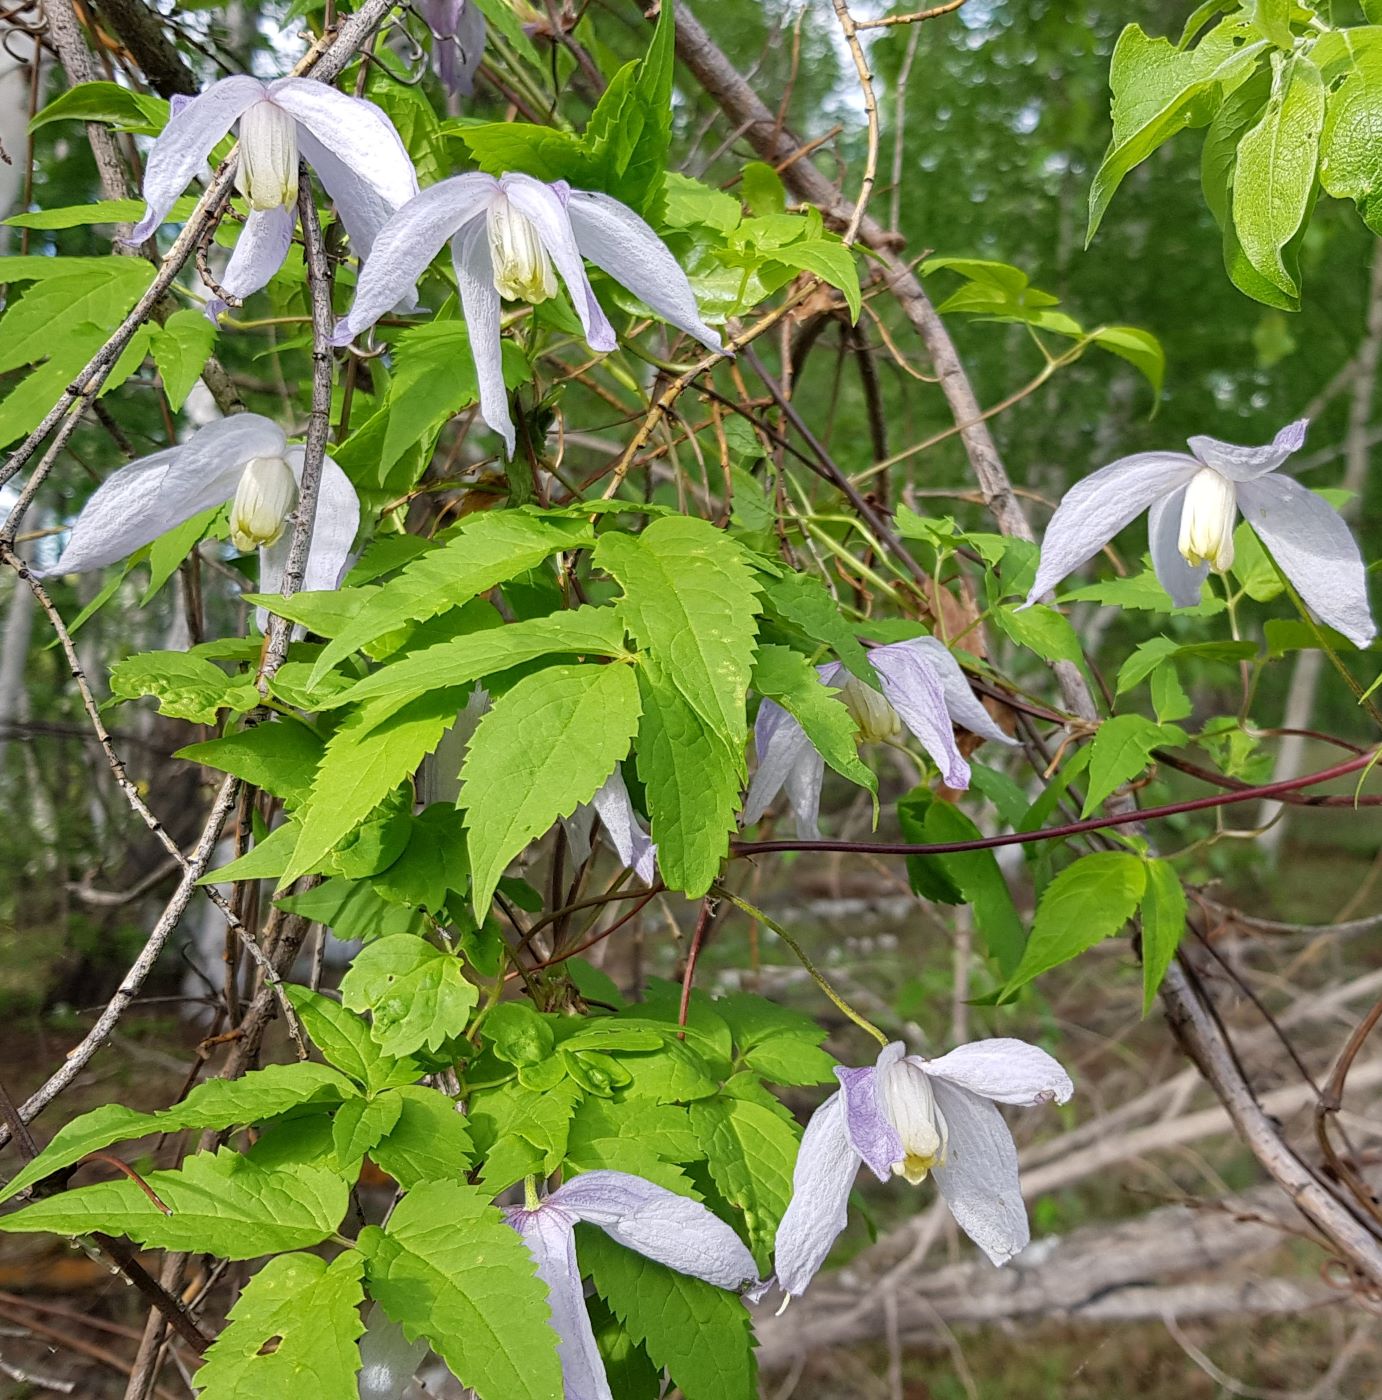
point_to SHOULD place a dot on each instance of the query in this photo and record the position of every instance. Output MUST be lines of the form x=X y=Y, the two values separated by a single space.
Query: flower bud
x=910 y=1103
x=268 y=171
x=875 y=719
x=266 y=495
x=1206 y=520
x=522 y=269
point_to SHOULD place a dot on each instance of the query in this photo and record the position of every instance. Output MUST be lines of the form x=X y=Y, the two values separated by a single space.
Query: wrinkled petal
x=388 y=1360
x=912 y=687
x=334 y=525
x=632 y=844
x=618 y=242
x=138 y=503
x=1183 y=581
x=1094 y=510
x=1310 y=541
x=544 y=207
x=407 y=243
x=1246 y=463
x=480 y=306
x=871 y=1132
x=1008 y=1070
x=979 y=1176
x=551 y=1241
x=819 y=1208
x=180 y=152
x=259 y=253
x=673 y=1230
x=965 y=708
x=786 y=758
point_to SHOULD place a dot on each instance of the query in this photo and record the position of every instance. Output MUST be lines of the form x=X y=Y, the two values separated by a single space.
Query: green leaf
x=543 y=749
x=831 y=261
x=180 y=347
x=520 y=1131
x=345 y=1041
x=101 y=211
x=1275 y=174
x=692 y=204
x=700 y=1333
x=353 y=909
x=279 y=757
x=802 y=601
x=1163 y=925
x=434 y=862
x=120 y=107
x=1086 y=903
x=219 y=1203
x=636 y=1135
x=1141 y=592
x=447 y=1267
x=1139 y=348
x=168 y=551
x=1143 y=661
x=539 y=151
x=358 y=1125
x=1169 y=699
x=777 y=1043
x=186 y=687
x=763 y=189
x=483 y=551
x=1040 y=629
x=1350 y=162
x=417 y=994
x=292 y=1331
x=1120 y=752
x=1273 y=19
x=429 y=1142
x=518 y=1034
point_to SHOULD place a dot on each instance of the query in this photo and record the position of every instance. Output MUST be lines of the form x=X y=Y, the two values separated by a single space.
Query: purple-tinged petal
x=618 y=242
x=786 y=758
x=579 y=827
x=819 y=1208
x=334 y=525
x=470 y=258
x=458 y=42
x=408 y=242
x=631 y=843
x=871 y=1132
x=912 y=687
x=978 y=1178
x=180 y=152
x=259 y=253
x=1184 y=582
x=964 y=706
x=1094 y=510
x=1247 y=463
x=548 y=1233
x=141 y=501
x=543 y=206
x=673 y=1230
x=1316 y=551
x=388 y=1360
x=1008 y=1070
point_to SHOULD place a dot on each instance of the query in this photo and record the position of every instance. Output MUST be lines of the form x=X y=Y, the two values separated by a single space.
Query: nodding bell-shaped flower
x=510 y=239
x=458 y=41
x=670 y=1229
x=611 y=804
x=351 y=144
x=924 y=691
x=244 y=459
x=911 y=1117
x=1192 y=502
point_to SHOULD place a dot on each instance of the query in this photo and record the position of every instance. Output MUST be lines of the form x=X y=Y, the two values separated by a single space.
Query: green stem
x=815 y=974
x=530 y=1198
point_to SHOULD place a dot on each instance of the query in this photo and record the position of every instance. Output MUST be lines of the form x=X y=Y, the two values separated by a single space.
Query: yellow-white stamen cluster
x=265 y=497
x=267 y=175
x=1206 y=521
x=522 y=268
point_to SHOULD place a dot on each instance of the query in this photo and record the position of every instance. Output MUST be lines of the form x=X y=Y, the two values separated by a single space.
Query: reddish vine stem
x=703 y=921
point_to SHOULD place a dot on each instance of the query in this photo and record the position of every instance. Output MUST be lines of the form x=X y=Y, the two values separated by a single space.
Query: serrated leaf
x=1120 y=752
x=1086 y=903
x=353 y=909
x=1144 y=660
x=519 y=1131
x=1350 y=163
x=430 y=1141
x=802 y=600
x=186 y=687
x=1163 y=925
x=433 y=864
x=345 y=1041
x=279 y=757
x=545 y=747
x=219 y=1203
x=1139 y=348
x=1040 y=629
x=447 y=1267
x=417 y=994
x=180 y=347
x=831 y=261
x=359 y=1124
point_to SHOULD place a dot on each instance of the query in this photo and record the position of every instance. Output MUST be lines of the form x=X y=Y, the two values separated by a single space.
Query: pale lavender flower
x=615 y=811
x=510 y=238
x=458 y=41
x=244 y=459
x=909 y=1116
x=1192 y=500
x=388 y=1360
x=352 y=145
x=670 y=1229
x=924 y=691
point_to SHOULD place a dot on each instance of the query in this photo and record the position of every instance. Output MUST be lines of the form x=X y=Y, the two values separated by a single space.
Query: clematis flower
x=510 y=238
x=910 y=1117
x=351 y=144
x=1192 y=501
x=612 y=806
x=924 y=691
x=244 y=459
x=660 y=1225
x=458 y=41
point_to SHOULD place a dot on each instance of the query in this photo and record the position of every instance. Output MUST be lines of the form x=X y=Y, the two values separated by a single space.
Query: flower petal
x=618 y=242
x=1183 y=581
x=579 y=827
x=548 y=1233
x=180 y=152
x=632 y=844
x=1005 y=1069
x=786 y=758
x=1094 y=510
x=458 y=42
x=912 y=687
x=388 y=1360
x=1315 y=550
x=979 y=1177
x=1246 y=463
x=819 y=1208
x=544 y=207
x=259 y=253
x=871 y=1132
x=408 y=242
x=964 y=706
x=334 y=526
x=673 y=1230
x=138 y=503
x=480 y=306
